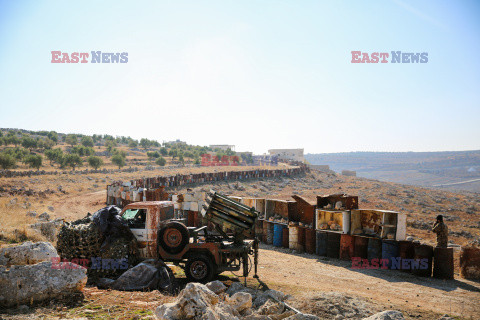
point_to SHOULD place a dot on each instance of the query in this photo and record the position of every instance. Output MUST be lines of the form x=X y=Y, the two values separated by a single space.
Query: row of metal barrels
x=346 y=247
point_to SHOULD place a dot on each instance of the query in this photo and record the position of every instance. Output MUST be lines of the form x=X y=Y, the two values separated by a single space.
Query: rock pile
x=214 y=301
x=336 y=305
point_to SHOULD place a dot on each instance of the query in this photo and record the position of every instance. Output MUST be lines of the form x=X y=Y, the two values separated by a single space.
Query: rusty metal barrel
x=293 y=234
x=406 y=251
x=443 y=263
x=190 y=219
x=333 y=244
x=374 y=250
x=270 y=231
x=321 y=248
x=360 y=248
x=310 y=241
x=470 y=263
x=265 y=224
x=197 y=219
x=423 y=260
x=285 y=238
x=347 y=246
x=301 y=239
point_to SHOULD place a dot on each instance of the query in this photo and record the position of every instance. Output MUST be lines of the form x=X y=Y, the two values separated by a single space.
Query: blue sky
x=256 y=74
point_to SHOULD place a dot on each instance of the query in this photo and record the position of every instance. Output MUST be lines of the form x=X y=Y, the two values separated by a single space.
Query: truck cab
x=144 y=220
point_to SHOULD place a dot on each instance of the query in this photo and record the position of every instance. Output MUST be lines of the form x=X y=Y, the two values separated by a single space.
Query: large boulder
x=386 y=315
x=39 y=282
x=28 y=253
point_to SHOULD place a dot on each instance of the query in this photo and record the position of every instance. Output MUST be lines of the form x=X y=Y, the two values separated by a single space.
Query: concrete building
x=288 y=154
x=223 y=147
x=321 y=167
x=177 y=142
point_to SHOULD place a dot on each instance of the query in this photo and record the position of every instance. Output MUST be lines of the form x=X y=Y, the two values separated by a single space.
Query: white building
x=288 y=154
x=223 y=147
x=177 y=142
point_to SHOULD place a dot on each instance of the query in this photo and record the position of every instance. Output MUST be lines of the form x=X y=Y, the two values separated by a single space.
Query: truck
x=227 y=243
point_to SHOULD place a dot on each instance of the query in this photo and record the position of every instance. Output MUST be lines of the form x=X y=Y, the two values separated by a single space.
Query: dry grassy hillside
x=22 y=194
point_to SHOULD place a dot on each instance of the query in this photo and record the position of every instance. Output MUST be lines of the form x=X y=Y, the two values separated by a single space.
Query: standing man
x=442 y=232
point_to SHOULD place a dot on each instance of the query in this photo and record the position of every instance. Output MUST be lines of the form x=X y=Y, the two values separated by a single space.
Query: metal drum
x=390 y=251
x=270 y=232
x=333 y=244
x=293 y=238
x=190 y=219
x=310 y=241
x=277 y=234
x=197 y=219
x=360 y=248
x=374 y=250
x=470 y=263
x=406 y=251
x=285 y=237
x=301 y=239
x=321 y=248
x=423 y=256
x=347 y=246
x=443 y=263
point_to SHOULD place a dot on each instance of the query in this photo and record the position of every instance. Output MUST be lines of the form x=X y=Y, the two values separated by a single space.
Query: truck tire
x=199 y=268
x=173 y=237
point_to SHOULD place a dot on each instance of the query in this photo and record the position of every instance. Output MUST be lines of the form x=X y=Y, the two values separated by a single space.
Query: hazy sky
x=256 y=74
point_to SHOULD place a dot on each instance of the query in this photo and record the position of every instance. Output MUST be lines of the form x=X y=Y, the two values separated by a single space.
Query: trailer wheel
x=173 y=237
x=199 y=268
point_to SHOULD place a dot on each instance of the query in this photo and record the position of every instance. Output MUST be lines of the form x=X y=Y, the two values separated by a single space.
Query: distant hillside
x=454 y=170
x=22 y=150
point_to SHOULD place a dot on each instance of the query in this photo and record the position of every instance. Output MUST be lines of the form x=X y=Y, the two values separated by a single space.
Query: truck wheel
x=199 y=269
x=173 y=237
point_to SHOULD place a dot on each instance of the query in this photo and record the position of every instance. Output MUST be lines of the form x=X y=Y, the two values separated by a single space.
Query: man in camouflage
x=442 y=232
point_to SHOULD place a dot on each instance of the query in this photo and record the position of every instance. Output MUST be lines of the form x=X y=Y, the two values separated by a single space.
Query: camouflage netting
x=83 y=239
